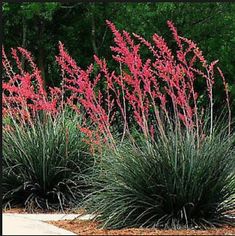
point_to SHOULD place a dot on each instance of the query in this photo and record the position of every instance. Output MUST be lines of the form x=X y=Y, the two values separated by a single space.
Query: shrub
x=171 y=183
x=44 y=165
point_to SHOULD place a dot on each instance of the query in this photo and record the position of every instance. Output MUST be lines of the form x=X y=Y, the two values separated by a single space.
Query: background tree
x=81 y=27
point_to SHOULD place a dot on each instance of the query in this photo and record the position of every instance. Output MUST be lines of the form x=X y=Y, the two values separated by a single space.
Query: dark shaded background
x=81 y=27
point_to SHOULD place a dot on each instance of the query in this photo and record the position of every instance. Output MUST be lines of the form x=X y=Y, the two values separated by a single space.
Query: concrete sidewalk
x=32 y=224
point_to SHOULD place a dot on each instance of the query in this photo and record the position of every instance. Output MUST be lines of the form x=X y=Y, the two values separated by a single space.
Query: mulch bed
x=40 y=211
x=80 y=227
x=84 y=227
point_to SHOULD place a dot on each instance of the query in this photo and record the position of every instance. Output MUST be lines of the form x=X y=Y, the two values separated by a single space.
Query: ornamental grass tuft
x=44 y=165
x=166 y=183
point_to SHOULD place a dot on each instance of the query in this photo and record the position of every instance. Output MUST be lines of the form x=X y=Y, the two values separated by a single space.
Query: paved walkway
x=32 y=224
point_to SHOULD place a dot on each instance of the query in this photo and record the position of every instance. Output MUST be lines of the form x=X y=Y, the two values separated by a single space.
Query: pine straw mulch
x=83 y=227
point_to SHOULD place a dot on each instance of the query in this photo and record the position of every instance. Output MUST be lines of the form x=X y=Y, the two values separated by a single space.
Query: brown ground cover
x=81 y=227
x=20 y=210
x=92 y=228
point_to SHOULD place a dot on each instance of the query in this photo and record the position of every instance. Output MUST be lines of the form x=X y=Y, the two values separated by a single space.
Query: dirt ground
x=80 y=227
x=40 y=211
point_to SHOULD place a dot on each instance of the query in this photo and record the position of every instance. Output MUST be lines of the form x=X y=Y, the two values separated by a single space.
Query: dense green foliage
x=44 y=165
x=171 y=183
x=81 y=27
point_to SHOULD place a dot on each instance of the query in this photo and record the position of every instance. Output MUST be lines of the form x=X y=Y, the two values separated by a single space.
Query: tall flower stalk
x=148 y=94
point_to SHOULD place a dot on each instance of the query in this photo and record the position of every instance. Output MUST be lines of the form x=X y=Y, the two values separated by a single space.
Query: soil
x=40 y=211
x=80 y=227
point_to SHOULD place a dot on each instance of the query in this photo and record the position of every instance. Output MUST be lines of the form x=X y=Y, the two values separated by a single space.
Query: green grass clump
x=44 y=165
x=174 y=183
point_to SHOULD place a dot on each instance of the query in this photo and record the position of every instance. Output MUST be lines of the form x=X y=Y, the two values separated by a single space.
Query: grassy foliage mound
x=169 y=183
x=44 y=165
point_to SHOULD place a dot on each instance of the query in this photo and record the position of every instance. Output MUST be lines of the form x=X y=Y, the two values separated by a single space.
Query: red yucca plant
x=155 y=91
x=178 y=179
x=45 y=159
